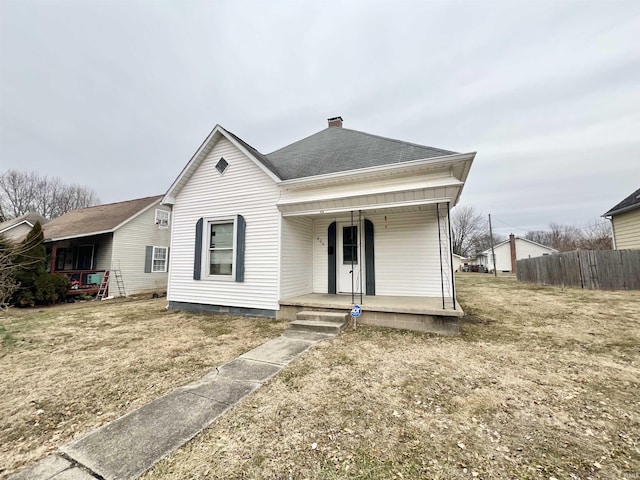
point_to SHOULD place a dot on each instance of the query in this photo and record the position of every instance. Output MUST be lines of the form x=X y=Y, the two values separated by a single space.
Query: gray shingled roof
x=101 y=218
x=31 y=217
x=629 y=203
x=337 y=149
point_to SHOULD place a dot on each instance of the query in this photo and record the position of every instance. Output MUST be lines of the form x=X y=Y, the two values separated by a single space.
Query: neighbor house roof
x=30 y=218
x=337 y=149
x=96 y=220
x=630 y=203
x=488 y=250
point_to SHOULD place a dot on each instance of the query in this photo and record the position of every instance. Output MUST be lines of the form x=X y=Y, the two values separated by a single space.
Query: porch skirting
x=424 y=314
x=221 y=309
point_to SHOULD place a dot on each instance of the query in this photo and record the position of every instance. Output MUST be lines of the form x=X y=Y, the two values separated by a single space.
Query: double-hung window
x=156 y=259
x=159 y=263
x=221 y=247
x=162 y=218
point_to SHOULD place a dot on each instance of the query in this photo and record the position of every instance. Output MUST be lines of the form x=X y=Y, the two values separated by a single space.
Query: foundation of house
x=423 y=314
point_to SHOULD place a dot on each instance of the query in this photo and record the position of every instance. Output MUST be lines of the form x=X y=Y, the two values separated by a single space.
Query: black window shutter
x=241 y=226
x=148 y=258
x=331 y=255
x=197 y=254
x=167 y=264
x=370 y=269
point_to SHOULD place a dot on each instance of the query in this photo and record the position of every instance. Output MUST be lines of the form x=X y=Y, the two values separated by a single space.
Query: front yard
x=68 y=369
x=542 y=383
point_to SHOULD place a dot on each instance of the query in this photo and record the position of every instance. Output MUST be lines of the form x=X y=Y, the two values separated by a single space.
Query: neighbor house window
x=162 y=218
x=220 y=241
x=159 y=263
x=156 y=259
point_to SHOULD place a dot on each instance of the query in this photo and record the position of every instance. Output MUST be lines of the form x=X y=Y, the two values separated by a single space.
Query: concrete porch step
x=316 y=321
x=323 y=316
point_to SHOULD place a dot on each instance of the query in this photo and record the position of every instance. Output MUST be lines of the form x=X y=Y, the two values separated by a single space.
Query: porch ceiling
x=404 y=199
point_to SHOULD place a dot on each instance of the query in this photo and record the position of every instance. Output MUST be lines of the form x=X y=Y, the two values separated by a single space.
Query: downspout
x=440 y=247
x=453 y=281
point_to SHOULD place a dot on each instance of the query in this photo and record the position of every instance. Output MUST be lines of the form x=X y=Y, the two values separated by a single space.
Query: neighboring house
x=458 y=262
x=131 y=237
x=335 y=216
x=625 y=222
x=16 y=230
x=509 y=251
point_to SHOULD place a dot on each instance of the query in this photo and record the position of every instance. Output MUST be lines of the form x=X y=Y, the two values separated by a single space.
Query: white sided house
x=113 y=250
x=337 y=218
x=17 y=229
x=509 y=251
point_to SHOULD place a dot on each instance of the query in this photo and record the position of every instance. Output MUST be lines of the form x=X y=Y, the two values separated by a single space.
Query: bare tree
x=565 y=238
x=467 y=226
x=21 y=192
x=597 y=236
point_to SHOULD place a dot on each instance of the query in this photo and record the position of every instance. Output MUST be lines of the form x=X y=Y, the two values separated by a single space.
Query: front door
x=348 y=259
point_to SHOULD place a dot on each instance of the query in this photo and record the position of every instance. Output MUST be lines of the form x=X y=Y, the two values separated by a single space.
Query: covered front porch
x=84 y=260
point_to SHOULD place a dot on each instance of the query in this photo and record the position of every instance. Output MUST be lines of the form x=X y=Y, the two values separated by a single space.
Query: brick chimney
x=512 y=246
x=335 y=122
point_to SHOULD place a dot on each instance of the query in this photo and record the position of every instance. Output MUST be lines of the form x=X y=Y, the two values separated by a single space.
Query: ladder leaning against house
x=104 y=285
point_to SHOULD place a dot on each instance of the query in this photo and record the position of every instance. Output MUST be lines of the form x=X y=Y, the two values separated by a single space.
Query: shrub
x=37 y=286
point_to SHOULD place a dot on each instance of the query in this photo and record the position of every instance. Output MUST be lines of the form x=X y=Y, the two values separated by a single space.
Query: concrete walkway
x=131 y=445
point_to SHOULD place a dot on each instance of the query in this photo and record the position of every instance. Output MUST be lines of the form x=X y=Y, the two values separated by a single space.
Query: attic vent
x=222 y=165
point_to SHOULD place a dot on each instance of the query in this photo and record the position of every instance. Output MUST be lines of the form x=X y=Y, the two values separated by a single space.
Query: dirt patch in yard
x=542 y=383
x=68 y=369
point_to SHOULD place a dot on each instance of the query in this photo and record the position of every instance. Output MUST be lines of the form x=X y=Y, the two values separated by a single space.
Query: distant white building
x=509 y=251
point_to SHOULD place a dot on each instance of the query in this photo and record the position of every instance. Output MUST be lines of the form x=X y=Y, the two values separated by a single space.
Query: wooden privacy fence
x=590 y=269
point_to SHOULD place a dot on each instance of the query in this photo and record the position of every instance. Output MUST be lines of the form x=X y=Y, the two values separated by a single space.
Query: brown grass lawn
x=68 y=369
x=542 y=383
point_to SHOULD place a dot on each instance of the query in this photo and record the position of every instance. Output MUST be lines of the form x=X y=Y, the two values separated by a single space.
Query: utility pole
x=493 y=253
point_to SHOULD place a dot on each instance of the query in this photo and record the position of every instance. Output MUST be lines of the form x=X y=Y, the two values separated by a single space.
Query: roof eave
x=79 y=235
x=611 y=213
x=327 y=177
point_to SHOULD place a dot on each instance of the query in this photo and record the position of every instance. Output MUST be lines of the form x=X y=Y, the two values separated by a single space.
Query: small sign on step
x=356 y=311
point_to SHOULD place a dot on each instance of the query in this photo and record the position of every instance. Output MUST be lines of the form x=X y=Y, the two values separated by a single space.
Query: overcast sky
x=117 y=95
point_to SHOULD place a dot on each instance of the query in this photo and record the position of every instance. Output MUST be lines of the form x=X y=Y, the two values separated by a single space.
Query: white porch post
x=453 y=280
x=440 y=257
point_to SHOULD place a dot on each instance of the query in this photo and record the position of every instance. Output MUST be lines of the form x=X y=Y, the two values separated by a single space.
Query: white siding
x=129 y=244
x=17 y=233
x=244 y=189
x=296 y=270
x=626 y=227
x=102 y=253
x=320 y=258
x=407 y=255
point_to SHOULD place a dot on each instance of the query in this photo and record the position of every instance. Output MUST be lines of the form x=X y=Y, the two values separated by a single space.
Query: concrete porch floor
x=423 y=314
x=377 y=303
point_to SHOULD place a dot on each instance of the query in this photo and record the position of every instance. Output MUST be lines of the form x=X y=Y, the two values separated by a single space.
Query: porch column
x=453 y=279
x=54 y=251
x=440 y=249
